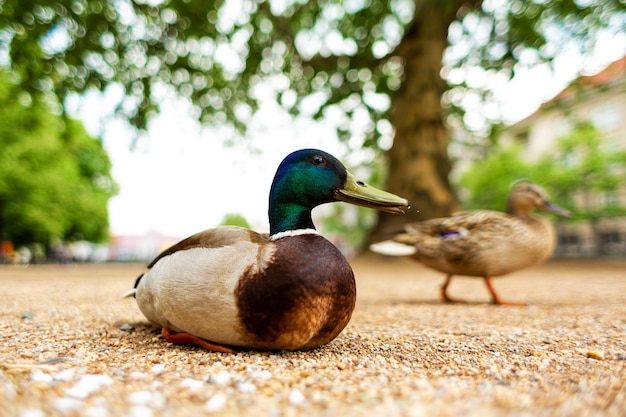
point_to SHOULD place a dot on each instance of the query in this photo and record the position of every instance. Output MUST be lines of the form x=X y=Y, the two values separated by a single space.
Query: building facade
x=601 y=100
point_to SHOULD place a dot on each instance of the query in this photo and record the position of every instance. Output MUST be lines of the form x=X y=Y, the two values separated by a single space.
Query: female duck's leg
x=182 y=338
x=444 y=290
x=494 y=296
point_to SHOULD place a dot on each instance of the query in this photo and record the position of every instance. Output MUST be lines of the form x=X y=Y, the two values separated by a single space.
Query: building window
x=561 y=126
x=607 y=116
x=608 y=199
x=522 y=137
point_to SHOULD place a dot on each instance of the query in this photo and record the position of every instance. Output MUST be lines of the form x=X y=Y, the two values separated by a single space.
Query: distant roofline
x=611 y=73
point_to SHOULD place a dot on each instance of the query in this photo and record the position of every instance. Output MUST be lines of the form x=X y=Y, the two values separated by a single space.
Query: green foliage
x=338 y=57
x=488 y=181
x=208 y=51
x=55 y=179
x=585 y=166
x=577 y=173
x=235 y=219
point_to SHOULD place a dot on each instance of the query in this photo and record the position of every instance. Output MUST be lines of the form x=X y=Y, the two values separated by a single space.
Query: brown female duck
x=482 y=243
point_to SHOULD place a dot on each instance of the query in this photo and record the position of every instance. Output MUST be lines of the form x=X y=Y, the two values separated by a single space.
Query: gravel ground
x=69 y=346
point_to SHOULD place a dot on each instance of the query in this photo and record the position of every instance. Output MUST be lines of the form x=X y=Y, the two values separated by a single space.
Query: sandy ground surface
x=69 y=346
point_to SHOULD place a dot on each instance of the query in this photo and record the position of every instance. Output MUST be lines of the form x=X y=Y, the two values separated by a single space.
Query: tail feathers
x=137 y=281
x=391 y=248
x=131 y=293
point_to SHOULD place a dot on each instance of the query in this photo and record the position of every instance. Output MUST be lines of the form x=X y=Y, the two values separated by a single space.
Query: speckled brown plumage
x=486 y=243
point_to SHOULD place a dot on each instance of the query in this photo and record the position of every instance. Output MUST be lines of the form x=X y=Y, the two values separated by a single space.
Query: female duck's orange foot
x=444 y=292
x=495 y=299
x=447 y=299
x=182 y=338
x=500 y=302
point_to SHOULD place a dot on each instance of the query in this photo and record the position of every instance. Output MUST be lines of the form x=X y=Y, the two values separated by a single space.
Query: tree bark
x=418 y=164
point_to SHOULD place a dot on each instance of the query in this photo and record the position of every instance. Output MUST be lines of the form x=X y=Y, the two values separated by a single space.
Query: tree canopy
x=374 y=66
x=219 y=54
x=55 y=179
x=235 y=219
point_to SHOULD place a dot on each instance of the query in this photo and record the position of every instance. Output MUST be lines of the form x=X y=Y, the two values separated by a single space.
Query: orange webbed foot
x=444 y=291
x=183 y=338
x=500 y=302
x=447 y=299
x=495 y=299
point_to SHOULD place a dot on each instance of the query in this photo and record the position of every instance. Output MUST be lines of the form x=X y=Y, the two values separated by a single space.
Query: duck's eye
x=319 y=160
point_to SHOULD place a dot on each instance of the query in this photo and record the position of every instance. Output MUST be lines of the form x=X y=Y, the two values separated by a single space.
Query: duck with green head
x=292 y=289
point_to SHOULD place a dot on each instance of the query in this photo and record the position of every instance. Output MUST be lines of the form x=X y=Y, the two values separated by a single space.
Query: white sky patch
x=181 y=179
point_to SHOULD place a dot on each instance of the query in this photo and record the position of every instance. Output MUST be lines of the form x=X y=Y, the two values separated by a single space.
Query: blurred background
x=128 y=125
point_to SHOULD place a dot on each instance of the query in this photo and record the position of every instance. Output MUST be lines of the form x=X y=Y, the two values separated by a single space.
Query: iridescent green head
x=310 y=177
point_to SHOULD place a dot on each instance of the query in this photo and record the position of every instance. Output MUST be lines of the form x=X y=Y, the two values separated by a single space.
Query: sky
x=179 y=180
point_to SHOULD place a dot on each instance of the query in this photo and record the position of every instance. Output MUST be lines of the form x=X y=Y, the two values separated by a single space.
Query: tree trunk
x=418 y=164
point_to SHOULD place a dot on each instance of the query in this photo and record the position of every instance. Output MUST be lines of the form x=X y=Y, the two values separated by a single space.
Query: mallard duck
x=482 y=243
x=290 y=289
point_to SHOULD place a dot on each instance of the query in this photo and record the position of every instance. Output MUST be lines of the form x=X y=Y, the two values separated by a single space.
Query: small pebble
x=221 y=378
x=296 y=397
x=246 y=387
x=65 y=376
x=65 y=405
x=140 y=411
x=42 y=377
x=215 y=403
x=594 y=354
x=87 y=385
x=31 y=413
x=52 y=361
x=126 y=327
x=261 y=375
x=158 y=369
x=97 y=411
x=191 y=384
x=140 y=397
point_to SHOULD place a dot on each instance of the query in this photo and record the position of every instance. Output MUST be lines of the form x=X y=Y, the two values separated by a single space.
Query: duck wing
x=214 y=238
x=462 y=222
x=192 y=286
x=467 y=243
